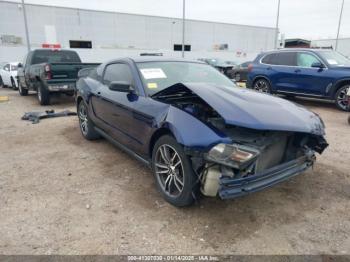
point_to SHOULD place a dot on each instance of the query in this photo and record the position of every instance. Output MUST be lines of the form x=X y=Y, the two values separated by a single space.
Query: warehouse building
x=100 y=35
x=343 y=45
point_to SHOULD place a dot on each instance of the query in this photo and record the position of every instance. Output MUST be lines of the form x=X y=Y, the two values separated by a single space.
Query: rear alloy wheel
x=86 y=126
x=262 y=85
x=22 y=91
x=43 y=95
x=173 y=172
x=341 y=99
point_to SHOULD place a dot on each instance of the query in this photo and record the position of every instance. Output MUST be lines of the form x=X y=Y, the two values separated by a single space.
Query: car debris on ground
x=35 y=117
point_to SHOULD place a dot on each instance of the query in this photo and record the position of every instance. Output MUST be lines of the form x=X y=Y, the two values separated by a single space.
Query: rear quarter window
x=283 y=58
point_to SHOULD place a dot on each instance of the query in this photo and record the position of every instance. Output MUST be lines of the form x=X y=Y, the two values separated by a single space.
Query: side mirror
x=121 y=86
x=318 y=65
x=19 y=65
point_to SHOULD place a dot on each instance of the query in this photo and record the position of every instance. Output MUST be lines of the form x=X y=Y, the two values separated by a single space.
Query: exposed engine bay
x=265 y=149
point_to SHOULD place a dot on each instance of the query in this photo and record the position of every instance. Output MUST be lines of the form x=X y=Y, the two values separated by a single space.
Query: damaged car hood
x=251 y=109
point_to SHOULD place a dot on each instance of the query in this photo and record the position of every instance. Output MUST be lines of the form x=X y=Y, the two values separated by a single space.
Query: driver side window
x=306 y=60
x=117 y=72
x=7 y=67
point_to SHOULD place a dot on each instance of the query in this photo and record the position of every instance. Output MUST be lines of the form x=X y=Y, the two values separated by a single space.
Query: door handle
x=297 y=70
x=269 y=68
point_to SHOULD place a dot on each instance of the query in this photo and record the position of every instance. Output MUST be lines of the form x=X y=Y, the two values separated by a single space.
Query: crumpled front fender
x=190 y=131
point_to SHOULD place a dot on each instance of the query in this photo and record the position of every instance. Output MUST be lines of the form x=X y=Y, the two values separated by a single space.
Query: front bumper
x=231 y=187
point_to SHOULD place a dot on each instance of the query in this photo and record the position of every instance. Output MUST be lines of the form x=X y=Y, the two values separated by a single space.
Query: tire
x=341 y=100
x=86 y=126
x=182 y=187
x=262 y=85
x=1 y=83
x=22 y=91
x=43 y=95
x=13 y=84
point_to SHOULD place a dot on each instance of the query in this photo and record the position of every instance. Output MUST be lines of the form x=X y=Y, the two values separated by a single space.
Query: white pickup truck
x=8 y=75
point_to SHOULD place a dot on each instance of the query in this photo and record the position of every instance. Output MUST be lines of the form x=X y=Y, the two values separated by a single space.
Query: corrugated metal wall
x=117 y=34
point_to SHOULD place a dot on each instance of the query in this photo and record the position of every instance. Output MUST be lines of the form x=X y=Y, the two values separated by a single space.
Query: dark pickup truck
x=50 y=71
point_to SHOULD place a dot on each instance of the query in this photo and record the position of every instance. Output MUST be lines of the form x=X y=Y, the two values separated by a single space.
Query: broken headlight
x=236 y=156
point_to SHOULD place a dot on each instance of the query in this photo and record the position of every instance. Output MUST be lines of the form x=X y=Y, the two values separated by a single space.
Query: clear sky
x=311 y=19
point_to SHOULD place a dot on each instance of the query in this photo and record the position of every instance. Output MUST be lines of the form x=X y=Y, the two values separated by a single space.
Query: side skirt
x=122 y=147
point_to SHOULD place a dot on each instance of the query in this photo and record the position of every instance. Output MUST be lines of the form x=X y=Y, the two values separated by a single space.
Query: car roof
x=140 y=59
x=298 y=49
x=143 y=59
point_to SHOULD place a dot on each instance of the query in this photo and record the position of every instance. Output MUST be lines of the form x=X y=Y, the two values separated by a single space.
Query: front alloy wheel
x=341 y=98
x=262 y=85
x=169 y=170
x=173 y=172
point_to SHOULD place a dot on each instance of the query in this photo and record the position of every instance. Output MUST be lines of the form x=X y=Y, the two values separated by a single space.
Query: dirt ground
x=61 y=194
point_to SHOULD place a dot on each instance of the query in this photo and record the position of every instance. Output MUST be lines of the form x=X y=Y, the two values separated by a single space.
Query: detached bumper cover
x=231 y=188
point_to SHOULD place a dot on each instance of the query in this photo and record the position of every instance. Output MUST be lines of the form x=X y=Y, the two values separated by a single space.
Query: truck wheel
x=86 y=126
x=1 y=83
x=341 y=100
x=43 y=95
x=22 y=91
x=13 y=84
x=173 y=172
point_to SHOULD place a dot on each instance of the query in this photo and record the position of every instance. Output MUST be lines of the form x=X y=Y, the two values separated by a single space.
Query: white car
x=8 y=75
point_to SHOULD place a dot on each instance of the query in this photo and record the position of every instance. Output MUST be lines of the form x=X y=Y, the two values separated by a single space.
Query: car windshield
x=55 y=56
x=13 y=68
x=335 y=59
x=157 y=76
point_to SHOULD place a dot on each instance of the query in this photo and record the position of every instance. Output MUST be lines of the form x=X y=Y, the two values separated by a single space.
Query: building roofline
x=123 y=13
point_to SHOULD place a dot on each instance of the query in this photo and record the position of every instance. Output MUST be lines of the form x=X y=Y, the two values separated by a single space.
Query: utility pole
x=26 y=25
x=183 y=27
x=340 y=18
x=277 y=23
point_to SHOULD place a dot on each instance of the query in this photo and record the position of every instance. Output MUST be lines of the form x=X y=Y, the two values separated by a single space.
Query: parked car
x=224 y=66
x=240 y=72
x=196 y=129
x=316 y=73
x=50 y=71
x=8 y=75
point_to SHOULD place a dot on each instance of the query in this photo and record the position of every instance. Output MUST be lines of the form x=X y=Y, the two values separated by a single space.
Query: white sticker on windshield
x=152 y=73
x=332 y=62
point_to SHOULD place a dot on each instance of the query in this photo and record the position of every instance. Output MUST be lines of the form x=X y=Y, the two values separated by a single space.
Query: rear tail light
x=47 y=69
x=250 y=67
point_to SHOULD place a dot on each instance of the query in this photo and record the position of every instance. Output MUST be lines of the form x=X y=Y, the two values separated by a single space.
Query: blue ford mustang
x=197 y=131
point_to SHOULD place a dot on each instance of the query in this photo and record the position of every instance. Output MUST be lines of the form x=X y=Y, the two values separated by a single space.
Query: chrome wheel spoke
x=177 y=163
x=177 y=186
x=178 y=180
x=162 y=166
x=163 y=155
x=163 y=171
x=167 y=183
